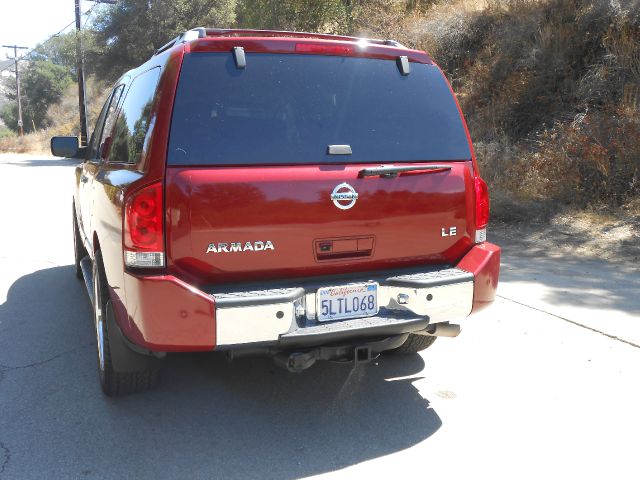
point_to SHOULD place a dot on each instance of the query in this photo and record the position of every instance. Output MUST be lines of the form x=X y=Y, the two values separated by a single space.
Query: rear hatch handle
x=392 y=171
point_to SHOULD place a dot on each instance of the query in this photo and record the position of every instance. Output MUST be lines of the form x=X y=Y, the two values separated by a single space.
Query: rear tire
x=78 y=247
x=415 y=344
x=121 y=370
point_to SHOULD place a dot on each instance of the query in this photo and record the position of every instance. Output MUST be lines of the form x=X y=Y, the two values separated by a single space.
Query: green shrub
x=6 y=133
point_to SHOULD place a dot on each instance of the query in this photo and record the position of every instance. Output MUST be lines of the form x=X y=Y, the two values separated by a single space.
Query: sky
x=28 y=22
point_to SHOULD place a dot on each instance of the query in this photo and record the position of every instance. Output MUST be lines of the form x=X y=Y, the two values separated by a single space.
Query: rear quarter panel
x=115 y=181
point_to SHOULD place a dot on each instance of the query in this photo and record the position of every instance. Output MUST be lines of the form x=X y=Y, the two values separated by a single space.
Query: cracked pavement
x=543 y=385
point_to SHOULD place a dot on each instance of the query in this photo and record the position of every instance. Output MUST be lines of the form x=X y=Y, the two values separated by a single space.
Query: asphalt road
x=543 y=385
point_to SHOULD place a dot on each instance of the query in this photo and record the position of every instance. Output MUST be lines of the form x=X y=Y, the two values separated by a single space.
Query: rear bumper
x=163 y=313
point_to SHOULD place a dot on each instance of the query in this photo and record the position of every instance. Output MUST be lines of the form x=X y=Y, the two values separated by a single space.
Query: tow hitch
x=362 y=355
x=297 y=362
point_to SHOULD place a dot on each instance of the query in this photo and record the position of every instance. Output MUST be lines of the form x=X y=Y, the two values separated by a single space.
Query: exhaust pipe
x=441 y=330
x=295 y=362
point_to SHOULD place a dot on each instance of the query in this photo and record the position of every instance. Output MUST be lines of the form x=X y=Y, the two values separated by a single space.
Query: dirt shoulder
x=614 y=238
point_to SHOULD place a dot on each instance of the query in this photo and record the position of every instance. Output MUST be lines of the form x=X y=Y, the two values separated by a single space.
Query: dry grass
x=35 y=143
x=550 y=89
x=551 y=92
x=64 y=115
x=577 y=233
x=64 y=121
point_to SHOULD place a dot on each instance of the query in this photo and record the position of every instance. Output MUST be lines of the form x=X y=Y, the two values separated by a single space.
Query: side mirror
x=66 y=147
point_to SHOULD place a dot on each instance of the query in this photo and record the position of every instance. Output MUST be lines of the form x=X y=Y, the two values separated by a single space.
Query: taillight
x=143 y=238
x=322 y=48
x=482 y=209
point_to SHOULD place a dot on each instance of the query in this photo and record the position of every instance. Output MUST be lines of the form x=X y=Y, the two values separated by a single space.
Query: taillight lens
x=482 y=209
x=143 y=228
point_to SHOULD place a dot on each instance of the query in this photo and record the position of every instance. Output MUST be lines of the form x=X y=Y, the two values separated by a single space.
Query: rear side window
x=133 y=125
x=288 y=108
x=92 y=152
x=106 y=136
x=111 y=113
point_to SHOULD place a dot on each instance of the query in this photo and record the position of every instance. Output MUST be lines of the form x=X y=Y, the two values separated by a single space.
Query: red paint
x=398 y=221
x=112 y=183
x=288 y=45
x=484 y=262
x=166 y=314
x=403 y=215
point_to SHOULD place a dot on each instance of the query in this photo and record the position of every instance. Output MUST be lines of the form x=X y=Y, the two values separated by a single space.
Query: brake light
x=482 y=209
x=321 y=48
x=143 y=237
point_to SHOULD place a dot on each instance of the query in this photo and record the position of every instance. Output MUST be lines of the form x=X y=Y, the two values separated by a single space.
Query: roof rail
x=193 y=34
x=238 y=32
x=202 y=32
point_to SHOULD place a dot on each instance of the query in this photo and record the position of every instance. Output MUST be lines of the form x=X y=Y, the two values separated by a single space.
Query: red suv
x=304 y=196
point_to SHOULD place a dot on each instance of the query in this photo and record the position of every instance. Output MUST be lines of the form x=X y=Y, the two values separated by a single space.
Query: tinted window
x=132 y=127
x=287 y=108
x=110 y=118
x=92 y=152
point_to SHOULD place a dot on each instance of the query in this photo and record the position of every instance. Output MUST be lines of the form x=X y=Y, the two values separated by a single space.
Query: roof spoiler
x=201 y=32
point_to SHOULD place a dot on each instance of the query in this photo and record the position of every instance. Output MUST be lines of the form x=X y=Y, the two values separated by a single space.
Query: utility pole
x=82 y=101
x=16 y=59
x=82 y=91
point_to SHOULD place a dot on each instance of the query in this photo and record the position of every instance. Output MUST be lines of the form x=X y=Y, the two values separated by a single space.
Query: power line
x=58 y=33
x=32 y=50
x=80 y=61
x=88 y=14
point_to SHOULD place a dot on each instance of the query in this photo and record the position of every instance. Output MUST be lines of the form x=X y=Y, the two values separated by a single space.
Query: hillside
x=551 y=92
x=550 y=88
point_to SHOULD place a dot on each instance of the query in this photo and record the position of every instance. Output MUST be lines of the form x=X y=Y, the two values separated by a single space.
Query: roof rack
x=193 y=34
x=202 y=32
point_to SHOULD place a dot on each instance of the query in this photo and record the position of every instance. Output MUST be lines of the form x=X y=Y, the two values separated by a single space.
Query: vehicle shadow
x=578 y=282
x=570 y=280
x=209 y=419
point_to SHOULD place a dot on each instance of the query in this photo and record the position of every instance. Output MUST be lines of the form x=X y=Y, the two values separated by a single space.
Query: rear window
x=288 y=108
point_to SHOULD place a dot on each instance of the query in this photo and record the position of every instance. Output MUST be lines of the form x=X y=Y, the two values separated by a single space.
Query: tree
x=43 y=84
x=331 y=16
x=61 y=50
x=132 y=30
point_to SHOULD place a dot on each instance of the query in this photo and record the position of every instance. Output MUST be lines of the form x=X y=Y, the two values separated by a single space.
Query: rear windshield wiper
x=391 y=171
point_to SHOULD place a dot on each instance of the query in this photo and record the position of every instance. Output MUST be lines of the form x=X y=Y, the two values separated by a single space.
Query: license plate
x=347 y=301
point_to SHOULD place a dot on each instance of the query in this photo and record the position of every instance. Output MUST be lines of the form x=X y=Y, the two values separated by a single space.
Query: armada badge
x=344 y=193
x=234 y=247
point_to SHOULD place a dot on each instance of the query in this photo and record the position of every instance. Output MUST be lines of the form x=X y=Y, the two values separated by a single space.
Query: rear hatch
x=274 y=170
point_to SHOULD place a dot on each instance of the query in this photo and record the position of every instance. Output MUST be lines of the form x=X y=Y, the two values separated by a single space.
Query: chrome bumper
x=287 y=315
